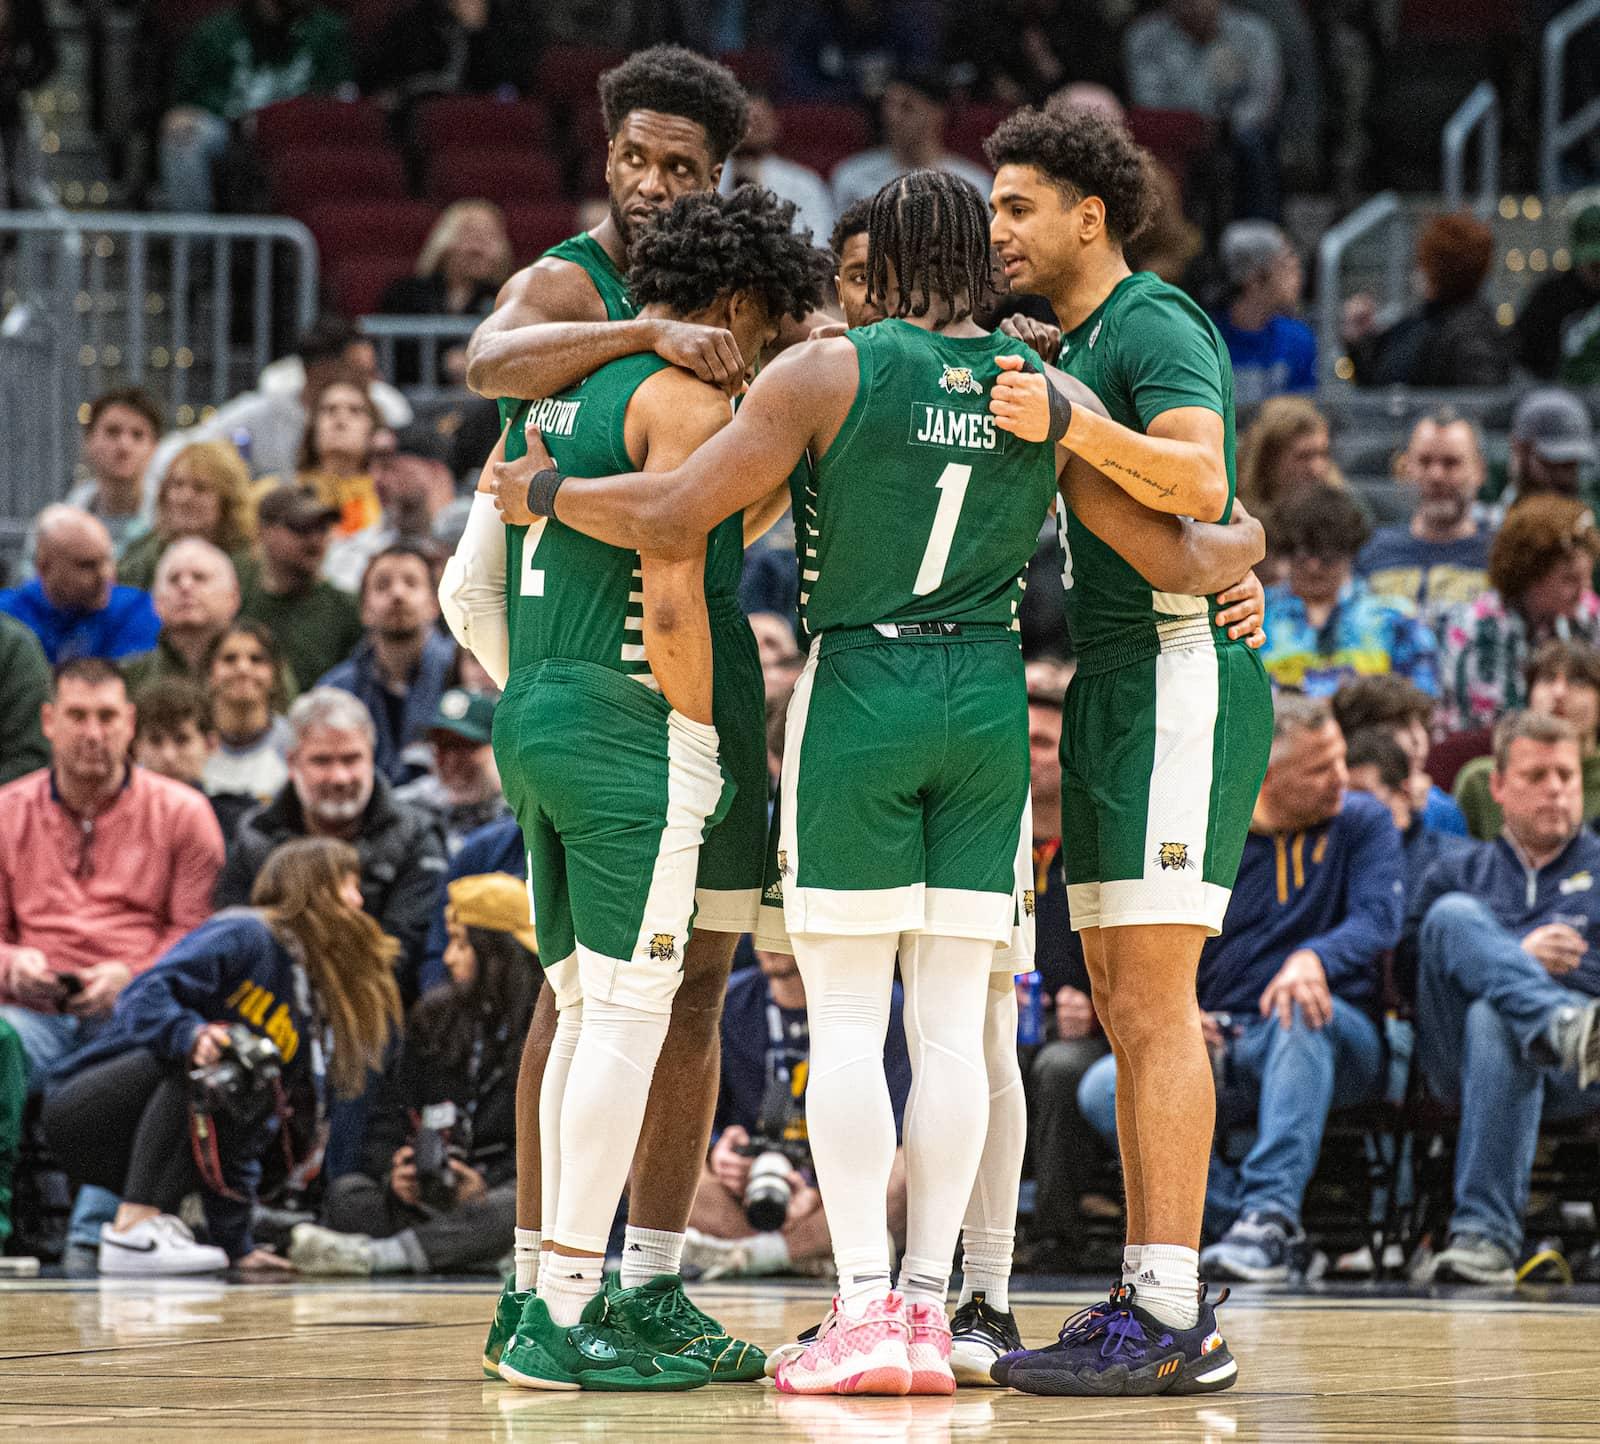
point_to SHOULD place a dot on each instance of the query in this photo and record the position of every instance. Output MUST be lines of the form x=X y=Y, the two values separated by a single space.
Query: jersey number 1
x=532 y=579
x=952 y=484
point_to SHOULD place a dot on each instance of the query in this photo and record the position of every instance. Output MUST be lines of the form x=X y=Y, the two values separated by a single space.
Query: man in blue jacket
x=1507 y=981
x=1290 y=987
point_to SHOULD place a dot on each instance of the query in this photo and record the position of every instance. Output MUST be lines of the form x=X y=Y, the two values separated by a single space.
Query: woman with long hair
x=243 y=672
x=206 y=493
x=177 y=1094
x=336 y=454
x=1285 y=453
x=455 y=1074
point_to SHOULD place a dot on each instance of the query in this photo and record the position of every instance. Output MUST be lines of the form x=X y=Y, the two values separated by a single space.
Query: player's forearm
x=1215 y=557
x=652 y=512
x=1183 y=478
x=529 y=362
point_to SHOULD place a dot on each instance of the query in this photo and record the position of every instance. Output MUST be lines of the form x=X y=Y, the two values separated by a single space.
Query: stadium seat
x=316 y=121
x=973 y=124
x=506 y=177
x=1174 y=137
x=821 y=135
x=568 y=74
x=758 y=69
x=473 y=122
x=366 y=227
x=357 y=283
x=305 y=177
x=535 y=228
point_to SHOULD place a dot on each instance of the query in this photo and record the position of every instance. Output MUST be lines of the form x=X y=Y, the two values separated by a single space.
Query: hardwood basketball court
x=364 y=1361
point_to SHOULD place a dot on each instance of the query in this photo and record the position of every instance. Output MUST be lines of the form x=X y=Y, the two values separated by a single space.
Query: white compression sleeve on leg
x=472 y=591
x=989 y=1230
x=553 y=1088
x=848 y=1113
x=601 y=1114
x=947 y=1115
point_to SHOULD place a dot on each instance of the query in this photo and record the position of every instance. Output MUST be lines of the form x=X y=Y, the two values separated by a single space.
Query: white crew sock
x=647 y=1252
x=601 y=1113
x=849 y=1118
x=1132 y=1253
x=1169 y=1284
x=525 y=1254
x=989 y=1229
x=569 y=1282
x=947 y=1115
x=552 y=1091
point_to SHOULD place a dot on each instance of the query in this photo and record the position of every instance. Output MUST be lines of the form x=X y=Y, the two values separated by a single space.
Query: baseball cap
x=1557 y=424
x=464 y=714
x=295 y=507
x=496 y=901
x=1248 y=247
x=1586 y=236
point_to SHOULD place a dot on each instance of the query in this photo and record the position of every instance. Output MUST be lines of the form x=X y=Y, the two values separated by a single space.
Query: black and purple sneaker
x=1129 y=1351
x=1073 y=1331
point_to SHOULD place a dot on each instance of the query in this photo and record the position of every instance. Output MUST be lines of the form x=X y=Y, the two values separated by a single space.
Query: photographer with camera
x=758 y=1210
x=437 y=1189
x=217 y=1067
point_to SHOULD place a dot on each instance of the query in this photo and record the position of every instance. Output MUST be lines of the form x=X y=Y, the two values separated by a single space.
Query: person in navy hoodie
x=304 y=967
x=1508 y=988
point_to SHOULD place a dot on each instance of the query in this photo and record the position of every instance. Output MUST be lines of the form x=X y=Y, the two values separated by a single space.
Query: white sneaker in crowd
x=317 y=1250
x=156 y=1246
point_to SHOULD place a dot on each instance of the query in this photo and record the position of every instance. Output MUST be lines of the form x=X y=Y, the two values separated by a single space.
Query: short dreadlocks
x=675 y=81
x=1084 y=153
x=932 y=227
x=707 y=245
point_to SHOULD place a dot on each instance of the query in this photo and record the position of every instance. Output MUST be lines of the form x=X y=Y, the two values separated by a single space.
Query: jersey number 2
x=952 y=484
x=532 y=578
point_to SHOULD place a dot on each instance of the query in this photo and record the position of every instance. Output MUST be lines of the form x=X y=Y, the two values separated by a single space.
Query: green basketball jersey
x=583 y=250
x=1147 y=348
x=922 y=509
x=569 y=595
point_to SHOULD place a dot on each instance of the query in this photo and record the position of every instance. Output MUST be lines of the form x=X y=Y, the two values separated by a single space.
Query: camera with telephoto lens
x=241 y=1081
x=439 y=1140
x=777 y=1147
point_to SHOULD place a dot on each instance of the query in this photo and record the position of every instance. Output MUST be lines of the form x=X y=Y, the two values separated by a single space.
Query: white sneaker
x=156 y=1246
x=317 y=1250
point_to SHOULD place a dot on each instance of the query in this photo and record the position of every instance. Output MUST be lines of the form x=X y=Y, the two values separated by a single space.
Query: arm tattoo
x=1111 y=464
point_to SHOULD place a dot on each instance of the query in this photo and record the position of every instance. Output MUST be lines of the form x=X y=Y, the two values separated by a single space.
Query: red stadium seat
x=305 y=177
x=569 y=74
x=821 y=135
x=756 y=68
x=1174 y=137
x=506 y=177
x=473 y=122
x=973 y=124
x=317 y=120
x=357 y=283
x=535 y=228
x=353 y=228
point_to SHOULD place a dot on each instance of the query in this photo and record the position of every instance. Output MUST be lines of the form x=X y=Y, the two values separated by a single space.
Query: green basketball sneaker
x=660 y=1315
x=506 y=1313
x=595 y=1353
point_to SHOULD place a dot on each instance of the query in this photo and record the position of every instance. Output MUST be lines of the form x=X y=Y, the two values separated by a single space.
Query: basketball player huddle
x=920 y=455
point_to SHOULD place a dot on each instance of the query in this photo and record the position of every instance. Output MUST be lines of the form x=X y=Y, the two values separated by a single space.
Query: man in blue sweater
x=1290 y=987
x=1507 y=982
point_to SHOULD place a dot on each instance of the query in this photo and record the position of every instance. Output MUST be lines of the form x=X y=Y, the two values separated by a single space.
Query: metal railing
x=1382 y=211
x=1480 y=112
x=425 y=333
x=1559 y=131
x=34 y=443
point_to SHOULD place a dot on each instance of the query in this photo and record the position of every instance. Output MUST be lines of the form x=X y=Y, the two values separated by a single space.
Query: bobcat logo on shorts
x=663 y=947
x=1027 y=902
x=1173 y=856
x=959 y=381
x=783 y=863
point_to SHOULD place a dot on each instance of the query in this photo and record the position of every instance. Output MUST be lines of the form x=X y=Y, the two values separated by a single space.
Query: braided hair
x=932 y=228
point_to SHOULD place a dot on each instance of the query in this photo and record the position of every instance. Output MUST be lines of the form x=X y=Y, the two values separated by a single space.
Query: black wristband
x=542 y=491
x=1060 y=412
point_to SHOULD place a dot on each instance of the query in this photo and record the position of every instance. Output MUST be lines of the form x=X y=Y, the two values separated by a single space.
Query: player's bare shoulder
x=549 y=289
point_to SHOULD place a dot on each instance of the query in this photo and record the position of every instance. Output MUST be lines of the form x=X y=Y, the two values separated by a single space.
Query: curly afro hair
x=1083 y=153
x=675 y=81
x=707 y=245
x=856 y=221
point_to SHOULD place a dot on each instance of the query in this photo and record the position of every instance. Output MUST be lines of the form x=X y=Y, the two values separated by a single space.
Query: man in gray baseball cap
x=1552 y=439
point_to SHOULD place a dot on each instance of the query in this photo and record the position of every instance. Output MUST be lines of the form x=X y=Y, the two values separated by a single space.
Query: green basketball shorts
x=904 y=777
x=1161 y=762
x=614 y=792
x=728 y=891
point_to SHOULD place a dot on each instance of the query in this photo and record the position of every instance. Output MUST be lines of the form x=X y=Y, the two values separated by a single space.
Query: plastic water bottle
x=1030 y=1009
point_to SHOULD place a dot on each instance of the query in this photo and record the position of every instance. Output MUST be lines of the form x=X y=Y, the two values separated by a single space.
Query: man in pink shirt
x=103 y=866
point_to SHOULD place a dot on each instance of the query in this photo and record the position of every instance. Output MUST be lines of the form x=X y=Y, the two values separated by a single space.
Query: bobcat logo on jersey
x=1027 y=902
x=663 y=947
x=959 y=381
x=1173 y=856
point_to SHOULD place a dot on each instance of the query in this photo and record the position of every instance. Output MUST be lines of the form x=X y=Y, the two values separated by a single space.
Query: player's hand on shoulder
x=1019 y=400
x=510 y=479
x=708 y=351
x=1043 y=338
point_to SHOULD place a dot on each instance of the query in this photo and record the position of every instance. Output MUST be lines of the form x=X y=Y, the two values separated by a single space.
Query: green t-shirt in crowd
x=220 y=68
x=1484 y=818
x=315 y=630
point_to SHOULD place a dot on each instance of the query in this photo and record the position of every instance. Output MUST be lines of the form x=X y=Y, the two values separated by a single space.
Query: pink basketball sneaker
x=929 y=1350
x=856 y=1355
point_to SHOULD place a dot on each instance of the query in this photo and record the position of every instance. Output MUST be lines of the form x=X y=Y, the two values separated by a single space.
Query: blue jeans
x=48 y=1040
x=1484 y=1008
x=1296 y=1076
